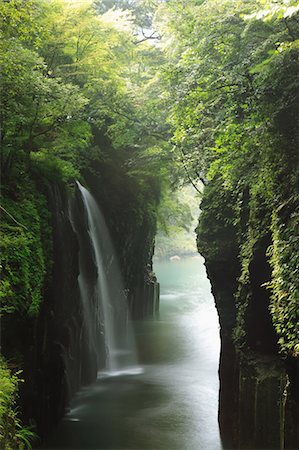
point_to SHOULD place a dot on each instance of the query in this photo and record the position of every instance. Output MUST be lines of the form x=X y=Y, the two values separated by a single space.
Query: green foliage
x=53 y=168
x=36 y=107
x=25 y=250
x=232 y=84
x=177 y=217
x=13 y=435
x=70 y=72
x=75 y=89
x=175 y=212
x=284 y=286
x=272 y=9
x=214 y=90
x=217 y=231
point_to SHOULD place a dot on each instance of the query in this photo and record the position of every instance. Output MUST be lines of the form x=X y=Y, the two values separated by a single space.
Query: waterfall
x=104 y=303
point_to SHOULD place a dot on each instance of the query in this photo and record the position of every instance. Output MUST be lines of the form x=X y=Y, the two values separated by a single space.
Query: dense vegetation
x=76 y=90
x=12 y=433
x=233 y=82
x=166 y=93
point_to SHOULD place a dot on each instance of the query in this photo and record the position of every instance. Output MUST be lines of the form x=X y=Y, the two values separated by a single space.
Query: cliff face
x=258 y=404
x=44 y=342
x=52 y=346
x=54 y=354
x=129 y=208
x=60 y=341
x=65 y=360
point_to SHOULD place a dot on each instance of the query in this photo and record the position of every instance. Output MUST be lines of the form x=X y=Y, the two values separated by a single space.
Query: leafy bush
x=13 y=435
x=53 y=168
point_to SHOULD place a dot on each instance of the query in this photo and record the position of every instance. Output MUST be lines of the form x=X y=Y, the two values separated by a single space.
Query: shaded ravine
x=173 y=404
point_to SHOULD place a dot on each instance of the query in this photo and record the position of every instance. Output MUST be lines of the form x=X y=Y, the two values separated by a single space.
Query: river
x=172 y=402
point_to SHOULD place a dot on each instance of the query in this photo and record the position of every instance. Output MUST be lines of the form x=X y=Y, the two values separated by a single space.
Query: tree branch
x=18 y=223
x=188 y=174
x=154 y=35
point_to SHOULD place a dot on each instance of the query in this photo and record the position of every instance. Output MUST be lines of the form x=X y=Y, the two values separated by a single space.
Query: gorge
x=109 y=109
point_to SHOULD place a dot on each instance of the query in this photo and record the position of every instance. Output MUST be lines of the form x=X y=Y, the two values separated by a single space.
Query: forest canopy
x=172 y=92
x=180 y=80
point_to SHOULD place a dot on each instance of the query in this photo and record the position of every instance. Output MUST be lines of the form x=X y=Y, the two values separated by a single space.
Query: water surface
x=171 y=402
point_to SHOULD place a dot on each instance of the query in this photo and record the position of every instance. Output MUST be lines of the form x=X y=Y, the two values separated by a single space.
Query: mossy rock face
x=247 y=236
x=26 y=249
x=42 y=323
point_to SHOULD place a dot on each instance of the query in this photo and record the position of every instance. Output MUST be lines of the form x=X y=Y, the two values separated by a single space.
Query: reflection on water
x=171 y=404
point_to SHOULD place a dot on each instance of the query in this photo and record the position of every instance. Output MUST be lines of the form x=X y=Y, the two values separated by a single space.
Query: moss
x=26 y=249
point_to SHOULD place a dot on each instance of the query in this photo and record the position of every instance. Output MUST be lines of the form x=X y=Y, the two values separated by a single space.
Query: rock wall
x=63 y=360
x=59 y=371
x=47 y=346
x=258 y=402
x=54 y=349
x=130 y=212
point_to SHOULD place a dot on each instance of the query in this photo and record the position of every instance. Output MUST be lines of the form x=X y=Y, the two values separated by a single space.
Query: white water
x=109 y=304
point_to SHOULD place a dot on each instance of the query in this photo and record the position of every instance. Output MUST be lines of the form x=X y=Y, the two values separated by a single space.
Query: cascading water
x=105 y=300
